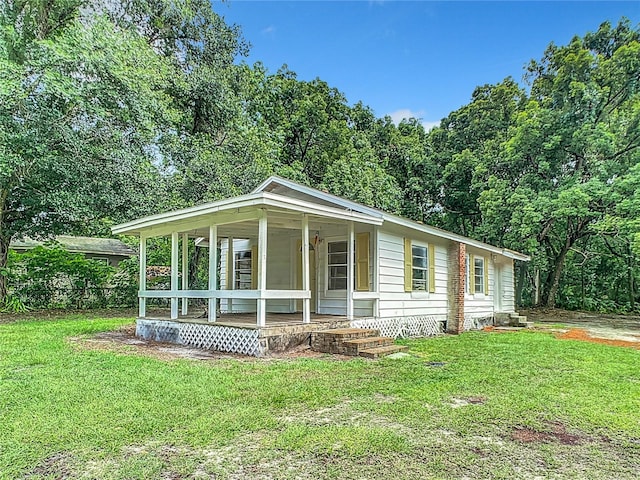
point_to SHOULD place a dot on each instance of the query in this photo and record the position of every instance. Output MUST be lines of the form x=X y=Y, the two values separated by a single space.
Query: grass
x=510 y=405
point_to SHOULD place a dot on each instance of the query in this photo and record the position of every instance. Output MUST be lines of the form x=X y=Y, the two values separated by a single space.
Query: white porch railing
x=176 y=295
x=249 y=294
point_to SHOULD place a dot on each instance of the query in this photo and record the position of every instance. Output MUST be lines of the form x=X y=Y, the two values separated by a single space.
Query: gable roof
x=279 y=193
x=282 y=186
x=201 y=214
x=90 y=245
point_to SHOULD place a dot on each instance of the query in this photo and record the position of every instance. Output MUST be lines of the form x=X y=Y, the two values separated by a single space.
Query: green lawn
x=510 y=405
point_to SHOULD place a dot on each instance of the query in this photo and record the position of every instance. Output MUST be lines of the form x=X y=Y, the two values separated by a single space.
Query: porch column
x=174 y=275
x=376 y=273
x=142 y=256
x=306 y=302
x=213 y=271
x=185 y=271
x=262 y=268
x=230 y=272
x=350 y=263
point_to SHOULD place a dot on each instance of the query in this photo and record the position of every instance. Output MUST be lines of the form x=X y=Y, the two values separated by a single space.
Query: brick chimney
x=456 y=266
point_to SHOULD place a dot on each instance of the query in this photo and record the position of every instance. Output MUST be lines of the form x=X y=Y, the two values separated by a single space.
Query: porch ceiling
x=276 y=222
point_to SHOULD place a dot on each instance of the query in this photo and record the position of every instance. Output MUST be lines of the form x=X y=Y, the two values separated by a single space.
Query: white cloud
x=270 y=30
x=429 y=125
x=405 y=113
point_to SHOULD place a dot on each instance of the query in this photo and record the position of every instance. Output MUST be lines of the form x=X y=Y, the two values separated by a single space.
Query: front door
x=497 y=287
x=312 y=275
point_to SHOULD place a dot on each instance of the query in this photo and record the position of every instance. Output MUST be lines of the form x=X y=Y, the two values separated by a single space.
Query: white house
x=288 y=251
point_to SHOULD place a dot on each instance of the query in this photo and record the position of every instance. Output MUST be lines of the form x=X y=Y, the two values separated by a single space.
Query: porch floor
x=247 y=320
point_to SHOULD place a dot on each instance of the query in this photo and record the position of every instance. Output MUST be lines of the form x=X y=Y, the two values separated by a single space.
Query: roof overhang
x=233 y=210
x=438 y=232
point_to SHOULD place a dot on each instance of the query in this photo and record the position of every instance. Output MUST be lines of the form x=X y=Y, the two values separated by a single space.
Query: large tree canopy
x=81 y=102
x=113 y=110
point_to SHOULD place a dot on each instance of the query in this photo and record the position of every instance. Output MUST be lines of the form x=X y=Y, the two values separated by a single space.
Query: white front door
x=498 y=290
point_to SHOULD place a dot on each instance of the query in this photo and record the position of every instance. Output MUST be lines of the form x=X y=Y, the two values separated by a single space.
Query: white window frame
x=237 y=281
x=329 y=264
x=425 y=269
x=467 y=275
x=105 y=260
x=478 y=283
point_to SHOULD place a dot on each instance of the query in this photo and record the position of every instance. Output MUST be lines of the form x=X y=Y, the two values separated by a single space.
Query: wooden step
x=354 y=347
x=378 y=352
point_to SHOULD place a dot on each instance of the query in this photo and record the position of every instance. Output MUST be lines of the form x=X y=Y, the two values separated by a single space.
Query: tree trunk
x=631 y=280
x=553 y=280
x=4 y=245
x=196 y=257
x=4 y=252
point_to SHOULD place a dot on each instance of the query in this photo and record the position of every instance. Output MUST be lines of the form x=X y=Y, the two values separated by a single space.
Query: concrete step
x=378 y=352
x=525 y=324
x=353 y=347
x=517 y=320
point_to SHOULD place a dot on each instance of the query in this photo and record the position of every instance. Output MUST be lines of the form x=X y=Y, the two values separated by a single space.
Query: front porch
x=237 y=333
x=264 y=258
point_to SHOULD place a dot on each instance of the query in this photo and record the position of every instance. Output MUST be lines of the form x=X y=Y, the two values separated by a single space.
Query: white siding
x=480 y=304
x=508 y=287
x=394 y=301
x=279 y=270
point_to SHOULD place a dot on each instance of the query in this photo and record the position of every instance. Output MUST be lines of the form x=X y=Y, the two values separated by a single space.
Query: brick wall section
x=456 y=266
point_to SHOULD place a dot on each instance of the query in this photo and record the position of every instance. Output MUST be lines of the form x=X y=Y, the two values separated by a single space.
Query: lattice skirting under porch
x=477 y=322
x=404 y=327
x=214 y=337
x=222 y=339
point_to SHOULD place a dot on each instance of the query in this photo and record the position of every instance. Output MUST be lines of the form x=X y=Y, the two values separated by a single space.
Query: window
x=475 y=274
x=104 y=260
x=478 y=274
x=337 y=261
x=419 y=271
x=419 y=267
x=467 y=277
x=242 y=270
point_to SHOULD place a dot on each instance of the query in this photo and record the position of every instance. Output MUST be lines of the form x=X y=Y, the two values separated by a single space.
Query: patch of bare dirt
x=584 y=319
x=56 y=466
x=557 y=433
x=585 y=336
x=124 y=341
x=463 y=402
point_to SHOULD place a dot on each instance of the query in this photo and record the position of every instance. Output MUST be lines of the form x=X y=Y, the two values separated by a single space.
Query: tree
x=81 y=103
x=573 y=145
x=465 y=148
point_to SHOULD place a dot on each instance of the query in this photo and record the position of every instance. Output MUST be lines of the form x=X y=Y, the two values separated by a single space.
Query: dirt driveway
x=608 y=327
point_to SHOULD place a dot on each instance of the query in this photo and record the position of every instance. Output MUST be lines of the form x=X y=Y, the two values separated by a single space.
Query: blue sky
x=412 y=58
